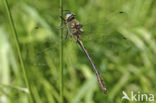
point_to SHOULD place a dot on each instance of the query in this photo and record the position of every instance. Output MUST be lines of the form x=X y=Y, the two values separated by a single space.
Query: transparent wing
x=104 y=28
x=45 y=44
x=96 y=32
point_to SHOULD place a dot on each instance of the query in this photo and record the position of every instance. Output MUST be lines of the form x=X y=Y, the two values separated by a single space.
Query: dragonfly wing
x=104 y=27
x=43 y=46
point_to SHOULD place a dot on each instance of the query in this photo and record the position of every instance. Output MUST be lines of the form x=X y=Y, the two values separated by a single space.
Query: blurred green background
x=120 y=36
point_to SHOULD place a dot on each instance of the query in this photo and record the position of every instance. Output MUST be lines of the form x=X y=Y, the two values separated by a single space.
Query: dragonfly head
x=70 y=16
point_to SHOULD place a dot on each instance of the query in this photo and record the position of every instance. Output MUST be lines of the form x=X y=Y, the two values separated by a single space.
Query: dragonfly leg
x=66 y=35
x=60 y=23
x=60 y=27
x=62 y=18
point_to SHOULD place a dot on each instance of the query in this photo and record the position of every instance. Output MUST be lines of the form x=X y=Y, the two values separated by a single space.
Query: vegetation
x=118 y=34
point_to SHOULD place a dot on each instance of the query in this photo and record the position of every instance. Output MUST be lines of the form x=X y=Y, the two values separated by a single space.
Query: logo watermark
x=138 y=96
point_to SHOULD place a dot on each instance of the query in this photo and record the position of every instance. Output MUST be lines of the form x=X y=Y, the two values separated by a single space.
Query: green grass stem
x=61 y=54
x=18 y=47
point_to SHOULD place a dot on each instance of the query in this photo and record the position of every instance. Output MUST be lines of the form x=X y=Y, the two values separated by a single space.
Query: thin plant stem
x=18 y=48
x=61 y=54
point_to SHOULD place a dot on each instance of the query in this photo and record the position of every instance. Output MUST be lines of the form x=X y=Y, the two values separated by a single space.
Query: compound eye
x=68 y=15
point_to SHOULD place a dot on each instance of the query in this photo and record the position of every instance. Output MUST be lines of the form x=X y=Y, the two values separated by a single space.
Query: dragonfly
x=85 y=31
x=75 y=29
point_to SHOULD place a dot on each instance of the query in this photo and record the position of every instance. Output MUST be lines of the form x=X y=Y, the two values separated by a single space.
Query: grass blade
x=18 y=47
x=61 y=54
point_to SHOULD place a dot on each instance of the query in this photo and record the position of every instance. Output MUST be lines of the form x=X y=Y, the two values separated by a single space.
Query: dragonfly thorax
x=74 y=27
